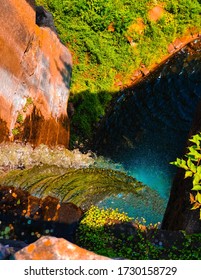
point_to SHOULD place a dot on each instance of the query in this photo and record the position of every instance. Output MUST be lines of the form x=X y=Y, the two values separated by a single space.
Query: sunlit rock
x=51 y=248
x=35 y=72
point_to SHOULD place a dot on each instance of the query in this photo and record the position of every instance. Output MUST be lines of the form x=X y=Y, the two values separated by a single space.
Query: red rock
x=52 y=248
x=36 y=66
x=171 y=49
x=156 y=13
x=177 y=44
x=144 y=70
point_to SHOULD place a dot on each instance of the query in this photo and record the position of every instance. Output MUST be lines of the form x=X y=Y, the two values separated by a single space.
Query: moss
x=80 y=186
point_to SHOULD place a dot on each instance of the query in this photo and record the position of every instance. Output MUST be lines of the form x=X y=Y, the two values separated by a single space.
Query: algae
x=84 y=186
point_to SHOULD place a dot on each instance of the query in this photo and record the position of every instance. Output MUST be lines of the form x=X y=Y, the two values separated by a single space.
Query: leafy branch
x=193 y=169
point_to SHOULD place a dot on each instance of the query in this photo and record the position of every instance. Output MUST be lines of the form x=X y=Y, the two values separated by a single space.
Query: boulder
x=52 y=248
x=9 y=247
x=25 y=217
x=35 y=73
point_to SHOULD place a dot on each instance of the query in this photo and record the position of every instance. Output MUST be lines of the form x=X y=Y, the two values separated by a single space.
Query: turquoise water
x=148 y=128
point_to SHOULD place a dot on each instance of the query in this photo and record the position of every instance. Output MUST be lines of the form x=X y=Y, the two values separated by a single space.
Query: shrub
x=98 y=232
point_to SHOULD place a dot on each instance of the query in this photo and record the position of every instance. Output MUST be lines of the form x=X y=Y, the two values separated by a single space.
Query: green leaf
x=182 y=164
x=196 y=139
x=199 y=169
x=191 y=165
x=188 y=173
x=196 y=188
x=198 y=197
x=194 y=152
x=196 y=179
x=193 y=140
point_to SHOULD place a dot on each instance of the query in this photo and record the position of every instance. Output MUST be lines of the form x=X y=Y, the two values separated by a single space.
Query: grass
x=109 y=40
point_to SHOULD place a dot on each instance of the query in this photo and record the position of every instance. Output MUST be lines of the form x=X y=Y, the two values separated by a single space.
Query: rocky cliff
x=35 y=72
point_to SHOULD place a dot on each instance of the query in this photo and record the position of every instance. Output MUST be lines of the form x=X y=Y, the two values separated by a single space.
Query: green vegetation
x=29 y=102
x=109 y=40
x=20 y=119
x=15 y=131
x=101 y=231
x=192 y=168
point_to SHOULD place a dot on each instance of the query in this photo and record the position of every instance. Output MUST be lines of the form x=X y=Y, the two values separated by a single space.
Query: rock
x=171 y=49
x=25 y=217
x=9 y=247
x=51 y=248
x=178 y=44
x=165 y=238
x=44 y=18
x=155 y=13
x=35 y=73
x=136 y=75
x=4 y=252
x=144 y=70
x=71 y=110
x=32 y=3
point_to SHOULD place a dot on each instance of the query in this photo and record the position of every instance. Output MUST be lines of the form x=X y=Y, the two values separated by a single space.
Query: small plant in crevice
x=15 y=131
x=20 y=119
x=192 y=167
x=29 y=102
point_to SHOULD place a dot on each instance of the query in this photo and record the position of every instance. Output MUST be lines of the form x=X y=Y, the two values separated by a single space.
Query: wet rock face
x=25 y=217
x=35 y=73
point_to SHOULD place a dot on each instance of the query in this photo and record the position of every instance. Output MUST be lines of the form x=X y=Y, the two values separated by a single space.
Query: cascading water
x=148 y=127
